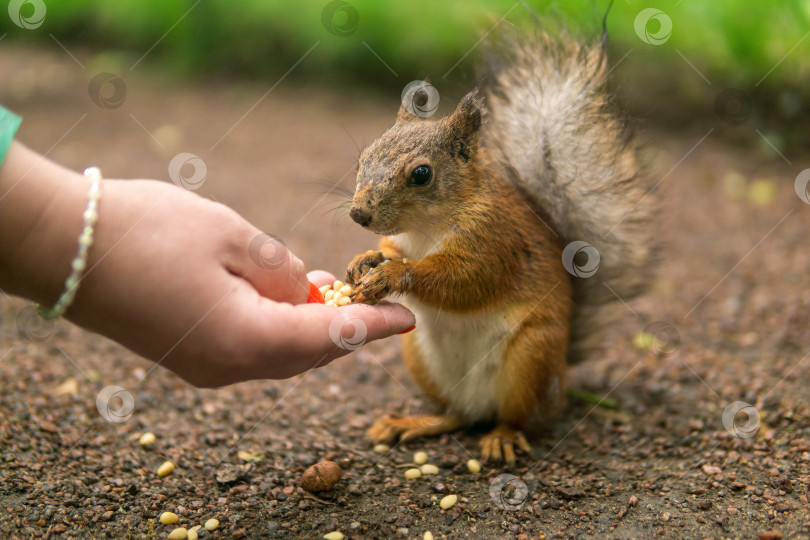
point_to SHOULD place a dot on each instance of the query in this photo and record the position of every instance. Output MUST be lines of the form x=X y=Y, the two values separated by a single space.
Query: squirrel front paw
x=388 y=277
x=362 y=264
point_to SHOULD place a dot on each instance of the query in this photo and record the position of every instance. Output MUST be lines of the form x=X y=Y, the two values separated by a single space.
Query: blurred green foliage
x=734 y=41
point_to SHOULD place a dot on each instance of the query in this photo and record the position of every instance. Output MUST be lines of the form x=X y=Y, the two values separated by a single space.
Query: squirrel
x=482 y=213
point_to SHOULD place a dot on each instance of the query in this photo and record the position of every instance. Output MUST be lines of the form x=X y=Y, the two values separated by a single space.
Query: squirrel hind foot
x=499 y=444
x=390 y=428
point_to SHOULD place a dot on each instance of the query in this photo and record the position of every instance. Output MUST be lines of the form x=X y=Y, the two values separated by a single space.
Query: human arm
x=169 y=276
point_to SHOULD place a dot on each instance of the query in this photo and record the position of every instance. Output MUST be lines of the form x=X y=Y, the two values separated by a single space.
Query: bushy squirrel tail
x=551 y=120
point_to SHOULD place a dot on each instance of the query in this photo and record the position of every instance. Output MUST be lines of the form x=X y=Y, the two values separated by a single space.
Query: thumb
x=275 y=271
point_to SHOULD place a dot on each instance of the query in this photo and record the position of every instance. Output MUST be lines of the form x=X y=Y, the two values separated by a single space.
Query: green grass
x=724 y=39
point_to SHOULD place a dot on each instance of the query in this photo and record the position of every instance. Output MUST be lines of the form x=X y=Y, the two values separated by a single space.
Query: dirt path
x=733 y=288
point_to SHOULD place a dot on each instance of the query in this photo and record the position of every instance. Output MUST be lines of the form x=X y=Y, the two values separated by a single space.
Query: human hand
x=191 y=285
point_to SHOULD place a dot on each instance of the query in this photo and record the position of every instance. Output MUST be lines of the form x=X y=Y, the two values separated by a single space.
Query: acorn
x=321 y=476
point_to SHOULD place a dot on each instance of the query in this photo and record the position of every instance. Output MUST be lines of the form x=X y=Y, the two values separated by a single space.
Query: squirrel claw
x=362 y=264
x=390 y=428
x=499 y=444
x=357 y=297
x=373 y=287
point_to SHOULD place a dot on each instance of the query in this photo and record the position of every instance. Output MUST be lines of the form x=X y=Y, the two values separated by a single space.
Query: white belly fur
x=462 y=352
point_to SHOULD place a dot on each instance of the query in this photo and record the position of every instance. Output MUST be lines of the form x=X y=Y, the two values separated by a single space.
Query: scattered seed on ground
x=147 y=439
x=211 y=524
x=413 y=474
x=448 y=502
x=165 y=468
x=179 y=533
x=168 y=518
x=473 y=466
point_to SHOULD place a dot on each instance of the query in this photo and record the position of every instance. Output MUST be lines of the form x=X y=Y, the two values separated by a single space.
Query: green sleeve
x=9 y=122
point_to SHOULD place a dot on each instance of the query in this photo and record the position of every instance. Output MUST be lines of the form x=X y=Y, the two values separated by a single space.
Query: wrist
x=40 y=219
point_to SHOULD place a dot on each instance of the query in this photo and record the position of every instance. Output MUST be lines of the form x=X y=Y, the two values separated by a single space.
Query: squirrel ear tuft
x=404 y=115
x=466 y=119
x=419 y=100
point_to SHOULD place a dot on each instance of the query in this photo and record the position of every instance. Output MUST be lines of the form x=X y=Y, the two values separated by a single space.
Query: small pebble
x=334 y=535
x=166 y=468
x=427 y=536
x=179 y=533
x=412 y=474
x=211 y=524
x=420 y=458
x=711 y=470
x=381 y=448
x=448 y=502
x=168 y=518
x=473 y=466
x=428 y=469
x=147 y=439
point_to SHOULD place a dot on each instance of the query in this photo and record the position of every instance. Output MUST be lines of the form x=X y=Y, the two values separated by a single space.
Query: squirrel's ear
x=404 y=115
x=419 y=100
x=466 y=119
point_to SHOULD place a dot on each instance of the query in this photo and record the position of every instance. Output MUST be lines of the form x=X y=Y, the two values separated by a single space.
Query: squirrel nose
x=360 y=216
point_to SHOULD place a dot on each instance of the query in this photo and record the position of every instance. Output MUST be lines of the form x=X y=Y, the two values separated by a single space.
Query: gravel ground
x=729 y=308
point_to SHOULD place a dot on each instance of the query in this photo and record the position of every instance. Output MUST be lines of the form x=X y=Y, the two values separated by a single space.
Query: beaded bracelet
x=79 y=262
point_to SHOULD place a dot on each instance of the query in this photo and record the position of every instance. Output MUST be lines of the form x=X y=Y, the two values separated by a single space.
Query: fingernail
x=410 y=328
x=315 y=296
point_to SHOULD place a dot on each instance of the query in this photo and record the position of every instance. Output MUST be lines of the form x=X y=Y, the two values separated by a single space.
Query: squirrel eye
x=421 y=176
